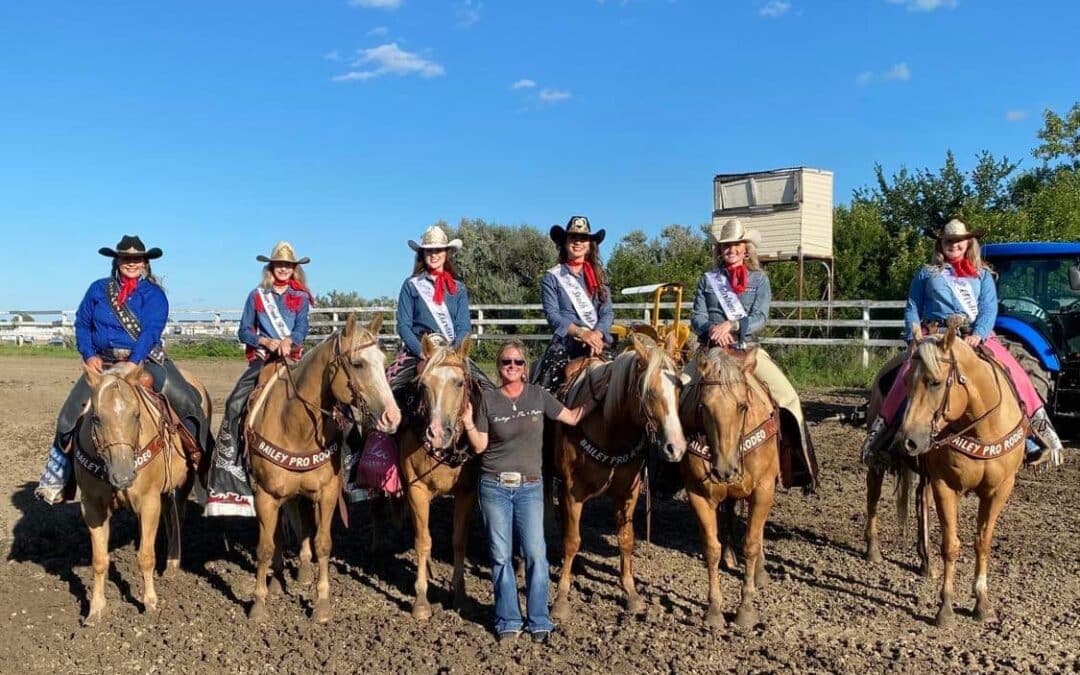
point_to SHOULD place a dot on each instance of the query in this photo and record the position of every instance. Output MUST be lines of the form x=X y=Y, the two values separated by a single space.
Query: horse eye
x=359 y=366
x=459 y=383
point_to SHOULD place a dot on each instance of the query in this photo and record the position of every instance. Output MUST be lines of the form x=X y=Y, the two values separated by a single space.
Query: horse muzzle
x=915 y=443
x=123 y=476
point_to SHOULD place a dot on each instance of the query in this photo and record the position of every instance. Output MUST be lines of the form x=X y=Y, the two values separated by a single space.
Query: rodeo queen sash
x=579 y=297
x=440 y=312
x=129 y=321
x=279 y=330
x=729 y=301
x=962 y=291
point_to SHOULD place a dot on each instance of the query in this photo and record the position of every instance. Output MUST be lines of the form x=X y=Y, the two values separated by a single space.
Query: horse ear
x=639 y=348
x=466 y=346
x=950 y=336
x=375 y=324
x=749 y=359
x=427 y=346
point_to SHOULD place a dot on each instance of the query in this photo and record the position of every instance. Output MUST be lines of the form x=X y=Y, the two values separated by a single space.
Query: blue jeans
x=509 y=513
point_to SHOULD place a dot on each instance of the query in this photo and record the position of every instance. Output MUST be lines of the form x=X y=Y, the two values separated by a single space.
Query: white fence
x=812 y=323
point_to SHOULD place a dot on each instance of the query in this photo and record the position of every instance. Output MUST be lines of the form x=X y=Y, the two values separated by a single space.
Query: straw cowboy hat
x=733 y=232
x=955 y=230
x=435 y=237
x=283 y=252
x=576 y=225
x=130 y=246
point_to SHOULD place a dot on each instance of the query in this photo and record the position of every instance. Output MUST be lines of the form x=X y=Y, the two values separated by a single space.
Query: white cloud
x=523 y=83
x=900 y=71
x=864 y=78
x=553 y=95
x=389 y=59
x=378 y=31
x=1016 y=115
x=376 y=4
x=468 y=13
x=774 y=9
x=333 y=56
x=925 y=5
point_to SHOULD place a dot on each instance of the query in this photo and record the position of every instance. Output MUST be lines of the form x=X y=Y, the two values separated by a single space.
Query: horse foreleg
x=266 y=509
x=761 y=500
x=990 y=508
x=420 y=507
x=324 y=511
x=923 y=497
x=948 y=506
x=728 y=540
x=174 y=523
x=463 y=506
x=705 y=511
x=305 y=574
x=149 y=517
x=96 y=514
x=624 y=525
x=874 y=478
x=571 y=504
x=277 y=562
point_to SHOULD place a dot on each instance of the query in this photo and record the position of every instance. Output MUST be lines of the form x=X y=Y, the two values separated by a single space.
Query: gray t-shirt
x=515 y=429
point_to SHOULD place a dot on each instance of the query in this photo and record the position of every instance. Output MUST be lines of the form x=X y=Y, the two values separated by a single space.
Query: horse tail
x=903 y=498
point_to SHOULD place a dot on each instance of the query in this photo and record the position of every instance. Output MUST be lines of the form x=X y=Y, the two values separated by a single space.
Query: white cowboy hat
x=733 y=232
x=283 y=252
x=956 y=230
x=435 y=237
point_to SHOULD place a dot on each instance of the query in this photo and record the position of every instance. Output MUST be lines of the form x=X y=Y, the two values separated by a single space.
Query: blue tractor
x=1039 y=316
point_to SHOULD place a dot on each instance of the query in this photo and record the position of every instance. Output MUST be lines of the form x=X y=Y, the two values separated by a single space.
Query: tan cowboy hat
x=283 y=252
x=435 y=237
x=956 y=230
x=733 y=232
x=576 y=225
x=130 y=246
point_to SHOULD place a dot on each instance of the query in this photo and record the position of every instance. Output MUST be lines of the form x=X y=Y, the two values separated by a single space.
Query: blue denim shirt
x=931 y=299
x=97 y=327
x=414 y=319
x=254 y=323
x=755 y=299
x=560 y=311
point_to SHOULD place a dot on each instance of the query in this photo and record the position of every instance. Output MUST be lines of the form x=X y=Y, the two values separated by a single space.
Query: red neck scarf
x=964 y=268
x=444 y=283
x=127 y=287
x=591 y=284
x=736 y=275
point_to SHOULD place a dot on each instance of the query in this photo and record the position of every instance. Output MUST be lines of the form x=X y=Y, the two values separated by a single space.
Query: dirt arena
x=825 y=610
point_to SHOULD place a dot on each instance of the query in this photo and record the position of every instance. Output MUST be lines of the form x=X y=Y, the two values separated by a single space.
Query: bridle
x=743 y=407
x=341 y=412
x=439 y=454
x=939 y=422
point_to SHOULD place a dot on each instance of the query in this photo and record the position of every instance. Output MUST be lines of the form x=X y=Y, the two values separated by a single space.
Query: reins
x=951 y=377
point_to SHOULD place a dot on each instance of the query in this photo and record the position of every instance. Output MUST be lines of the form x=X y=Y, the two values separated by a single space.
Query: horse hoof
x=150 y=605
x=714 y=618
x=873 y=554
x=322 y=612
x=274 y=587
x=172 y=570
x=985 y=614
x=636 y=605
x=91 y=619
x=561 y=610
x=746 y=617
x=945 y=618
x=421 y=611
x=258 y=612
x=306 y=574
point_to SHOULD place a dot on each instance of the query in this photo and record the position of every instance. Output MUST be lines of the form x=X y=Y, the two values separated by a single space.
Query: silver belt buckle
x=510 y=479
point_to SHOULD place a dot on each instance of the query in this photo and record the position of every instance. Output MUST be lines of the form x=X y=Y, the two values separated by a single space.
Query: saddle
x=570 y=374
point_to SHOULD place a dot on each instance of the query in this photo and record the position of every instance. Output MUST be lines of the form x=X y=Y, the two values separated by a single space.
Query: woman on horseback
x=508 y=434
x=273 y=326
x=432 y=300
x=958 y=282
x=577 y=302
x=731 y=306
x=118 y=325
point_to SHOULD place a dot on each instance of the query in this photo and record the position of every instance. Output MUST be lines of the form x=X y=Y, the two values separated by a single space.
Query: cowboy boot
x=878 y=438
x=58 y=471
x=1051 y=449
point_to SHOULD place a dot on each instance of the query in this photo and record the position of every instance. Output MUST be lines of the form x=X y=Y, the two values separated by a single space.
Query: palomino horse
x=433 y=460
x=129 y=454
x=606 y=451
x=965 y=422
x=735 y=456
x=292 y=430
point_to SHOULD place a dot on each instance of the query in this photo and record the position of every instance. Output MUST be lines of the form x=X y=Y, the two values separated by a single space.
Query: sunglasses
x=515 y=362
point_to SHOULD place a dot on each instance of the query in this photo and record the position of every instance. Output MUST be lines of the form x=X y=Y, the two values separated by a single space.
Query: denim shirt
x=931 y=299
x=755 y=299
x=560 y=312
x=414 y=319
x=254 y=323
x=97 y=328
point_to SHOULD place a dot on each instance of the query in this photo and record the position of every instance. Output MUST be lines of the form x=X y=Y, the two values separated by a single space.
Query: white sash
x=729 y=301
x=579 y=297
x=962 y=291
x=277 y=322
x=440 y=312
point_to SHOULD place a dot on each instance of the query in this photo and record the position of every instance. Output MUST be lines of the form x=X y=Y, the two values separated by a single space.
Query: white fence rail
x=815 y=323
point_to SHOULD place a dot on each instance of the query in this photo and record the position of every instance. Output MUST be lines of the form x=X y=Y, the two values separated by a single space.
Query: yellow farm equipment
x=674 y=335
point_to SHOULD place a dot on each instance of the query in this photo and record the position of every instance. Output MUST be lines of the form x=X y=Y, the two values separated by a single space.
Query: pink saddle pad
x=378 y=469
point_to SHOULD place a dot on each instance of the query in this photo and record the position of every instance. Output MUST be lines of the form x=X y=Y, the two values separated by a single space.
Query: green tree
x=679 y=254
x=502 y=263
x=1060 y=137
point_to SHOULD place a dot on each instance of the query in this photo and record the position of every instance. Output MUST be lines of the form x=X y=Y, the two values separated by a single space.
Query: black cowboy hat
x=576 y=225
x=130 y=246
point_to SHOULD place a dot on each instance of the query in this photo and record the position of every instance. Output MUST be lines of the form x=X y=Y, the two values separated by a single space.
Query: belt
x=115 y=354
x=525 y=478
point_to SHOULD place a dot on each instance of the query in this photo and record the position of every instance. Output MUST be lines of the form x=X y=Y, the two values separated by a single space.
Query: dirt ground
x=826 y=610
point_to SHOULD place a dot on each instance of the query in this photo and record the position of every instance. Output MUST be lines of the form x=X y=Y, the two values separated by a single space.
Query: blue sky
x=213 y=129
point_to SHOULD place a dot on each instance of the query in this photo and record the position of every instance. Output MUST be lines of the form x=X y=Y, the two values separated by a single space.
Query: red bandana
x=444 y=283
x=293 y=302
x=964 y=268
x=127 y=287
x=591 y=284
x=736 y=275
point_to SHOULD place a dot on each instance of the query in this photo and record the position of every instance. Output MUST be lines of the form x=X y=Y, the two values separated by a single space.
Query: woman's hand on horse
x=124 y=367
x=719 y=332
x=270 y=343
x=467 y=414
x=94 y=364
x=284 y=347
x=973 y=341
x=594 y=339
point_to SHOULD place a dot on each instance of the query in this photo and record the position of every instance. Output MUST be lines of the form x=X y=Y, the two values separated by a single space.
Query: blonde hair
x=973 y=253
x=751 y=260
x=506 y=346
x=268 y=276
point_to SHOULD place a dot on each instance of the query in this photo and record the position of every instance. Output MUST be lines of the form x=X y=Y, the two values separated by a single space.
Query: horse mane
x=720 y=367
x=929 y=354
x=623 y=372
x=442 y=356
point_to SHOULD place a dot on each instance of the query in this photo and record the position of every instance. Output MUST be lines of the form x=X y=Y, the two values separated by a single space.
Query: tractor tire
x=1040 y=377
